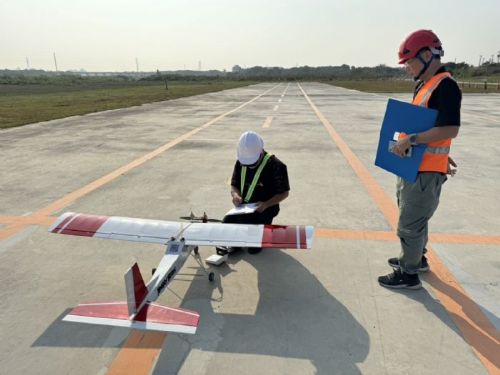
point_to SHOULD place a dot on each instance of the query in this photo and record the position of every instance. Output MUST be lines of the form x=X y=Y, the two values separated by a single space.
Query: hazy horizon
x=111 y=35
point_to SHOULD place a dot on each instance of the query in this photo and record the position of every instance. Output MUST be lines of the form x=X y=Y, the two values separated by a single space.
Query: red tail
x=136 y=289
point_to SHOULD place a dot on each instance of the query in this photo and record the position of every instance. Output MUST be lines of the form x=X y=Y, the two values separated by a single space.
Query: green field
x=29 y=103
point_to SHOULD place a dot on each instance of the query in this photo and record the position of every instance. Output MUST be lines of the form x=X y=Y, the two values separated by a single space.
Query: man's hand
x=402 y=146
x=452 y=167
x=261 y=207
x=237 y=200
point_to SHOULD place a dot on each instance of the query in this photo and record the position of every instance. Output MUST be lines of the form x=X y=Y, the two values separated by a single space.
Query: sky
x=119 y=35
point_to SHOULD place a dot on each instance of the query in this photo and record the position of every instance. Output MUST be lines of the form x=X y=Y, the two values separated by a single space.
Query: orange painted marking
x=477 y=329
x=27 y=220
x=345 y=234
x=11 y=230
x=267 y=122
x=466 y=239
x=139 y=353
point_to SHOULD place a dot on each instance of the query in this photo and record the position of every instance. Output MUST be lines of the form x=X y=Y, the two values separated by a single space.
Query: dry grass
x=20 y=105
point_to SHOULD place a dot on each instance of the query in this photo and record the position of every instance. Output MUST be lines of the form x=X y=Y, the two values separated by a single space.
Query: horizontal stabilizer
x=151 y=317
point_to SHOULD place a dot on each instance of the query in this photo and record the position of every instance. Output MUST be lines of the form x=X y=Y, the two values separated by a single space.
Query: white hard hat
x=250 y=147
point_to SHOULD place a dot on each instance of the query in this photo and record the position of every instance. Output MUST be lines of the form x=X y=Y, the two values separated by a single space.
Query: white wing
x=159 y=231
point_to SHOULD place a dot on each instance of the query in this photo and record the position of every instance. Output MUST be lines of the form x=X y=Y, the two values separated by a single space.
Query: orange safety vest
x=436 y=154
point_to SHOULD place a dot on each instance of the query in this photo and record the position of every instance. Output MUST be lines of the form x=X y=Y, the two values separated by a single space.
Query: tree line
x=342 y=72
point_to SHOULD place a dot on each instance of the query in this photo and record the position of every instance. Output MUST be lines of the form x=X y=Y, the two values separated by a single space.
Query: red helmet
x=417 y=40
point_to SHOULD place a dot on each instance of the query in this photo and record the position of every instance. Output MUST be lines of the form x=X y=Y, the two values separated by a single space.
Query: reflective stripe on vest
x=436 y=154
x=255 y=178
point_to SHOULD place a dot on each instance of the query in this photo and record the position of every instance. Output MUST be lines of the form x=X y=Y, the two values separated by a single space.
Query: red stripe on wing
x=84 y=225
x=62 y=223
x=303 y=239
x=284 y=236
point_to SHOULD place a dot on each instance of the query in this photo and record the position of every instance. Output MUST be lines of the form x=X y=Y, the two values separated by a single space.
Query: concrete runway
x=278 y=312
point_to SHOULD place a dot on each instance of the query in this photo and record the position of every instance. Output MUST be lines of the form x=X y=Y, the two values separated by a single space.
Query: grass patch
x=25 y=104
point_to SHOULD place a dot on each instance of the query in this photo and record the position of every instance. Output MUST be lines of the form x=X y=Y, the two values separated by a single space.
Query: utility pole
x=27 y=63
x=137 y=65
x=55 y=61
x=199 y=65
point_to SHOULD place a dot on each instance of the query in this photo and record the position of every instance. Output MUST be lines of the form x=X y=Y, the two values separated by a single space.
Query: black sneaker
x=221 y=250
x=424 y=265
x=254 y=250
x=400 y=280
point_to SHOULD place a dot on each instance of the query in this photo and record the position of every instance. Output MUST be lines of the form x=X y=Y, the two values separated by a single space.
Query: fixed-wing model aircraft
x=181 y=239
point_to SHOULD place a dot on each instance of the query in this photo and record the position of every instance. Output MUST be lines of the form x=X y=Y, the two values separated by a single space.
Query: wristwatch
x=413 y=139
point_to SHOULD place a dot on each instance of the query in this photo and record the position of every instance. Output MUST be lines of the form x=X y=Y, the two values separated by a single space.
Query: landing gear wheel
x=211 y=276
x=153 y=270
x=195 y=250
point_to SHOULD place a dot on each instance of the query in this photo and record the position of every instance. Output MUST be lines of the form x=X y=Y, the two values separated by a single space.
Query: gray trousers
x=417 y=203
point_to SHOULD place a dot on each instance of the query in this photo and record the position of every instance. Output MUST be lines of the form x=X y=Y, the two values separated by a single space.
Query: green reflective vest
x=255 y=178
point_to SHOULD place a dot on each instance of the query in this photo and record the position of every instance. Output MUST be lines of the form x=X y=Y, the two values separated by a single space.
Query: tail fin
x=136 y=289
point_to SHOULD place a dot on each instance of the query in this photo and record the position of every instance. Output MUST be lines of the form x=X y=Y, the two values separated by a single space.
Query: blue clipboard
x=407 y=118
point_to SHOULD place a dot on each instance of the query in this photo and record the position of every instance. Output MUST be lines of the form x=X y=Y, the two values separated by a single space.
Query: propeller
x=204 y=218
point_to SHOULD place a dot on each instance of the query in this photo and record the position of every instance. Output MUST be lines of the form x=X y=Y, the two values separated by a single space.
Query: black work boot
x=400 y=280
x=424 y=265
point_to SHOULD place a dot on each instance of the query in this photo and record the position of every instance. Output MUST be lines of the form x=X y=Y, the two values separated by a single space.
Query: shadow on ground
x=296 y=317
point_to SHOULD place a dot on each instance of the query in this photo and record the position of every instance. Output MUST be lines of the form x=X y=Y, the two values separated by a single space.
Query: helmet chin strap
x=425 y=67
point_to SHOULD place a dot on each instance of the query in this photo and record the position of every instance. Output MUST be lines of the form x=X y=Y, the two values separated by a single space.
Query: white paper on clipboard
x=242 y=209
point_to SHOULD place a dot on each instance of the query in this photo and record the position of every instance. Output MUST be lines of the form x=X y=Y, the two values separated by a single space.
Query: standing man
x=258 y=177
x=421 y=53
